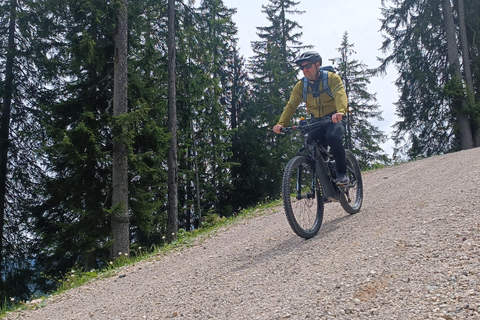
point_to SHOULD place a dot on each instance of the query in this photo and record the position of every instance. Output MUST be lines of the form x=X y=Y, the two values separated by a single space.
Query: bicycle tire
x=352 y=199
x=304 y=209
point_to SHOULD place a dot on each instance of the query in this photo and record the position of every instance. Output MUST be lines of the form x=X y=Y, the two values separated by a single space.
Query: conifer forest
x=123 y=122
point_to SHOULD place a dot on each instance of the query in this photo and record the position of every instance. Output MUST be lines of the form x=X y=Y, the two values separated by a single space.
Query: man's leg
x=334 y=134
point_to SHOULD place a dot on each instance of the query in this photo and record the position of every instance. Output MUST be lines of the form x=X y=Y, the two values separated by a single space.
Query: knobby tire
x=352 y=199
x=302 y=198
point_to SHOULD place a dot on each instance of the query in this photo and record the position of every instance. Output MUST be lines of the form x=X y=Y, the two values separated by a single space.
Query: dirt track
x=413 y=252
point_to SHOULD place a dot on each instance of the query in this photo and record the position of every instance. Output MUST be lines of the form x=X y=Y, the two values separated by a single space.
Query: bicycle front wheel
x=302 y=197
x=352 y=198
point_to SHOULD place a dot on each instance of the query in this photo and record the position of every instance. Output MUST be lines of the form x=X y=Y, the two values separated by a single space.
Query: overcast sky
x=324 y=23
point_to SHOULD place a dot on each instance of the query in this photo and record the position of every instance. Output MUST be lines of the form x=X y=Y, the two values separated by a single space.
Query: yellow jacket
x=320 y=106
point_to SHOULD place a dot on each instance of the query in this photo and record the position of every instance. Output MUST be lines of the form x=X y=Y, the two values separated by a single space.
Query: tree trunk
x=120 y=217
x=172 y=225
x=197 y=180
x=459 y=104
x=466 y=66
x=5 y=121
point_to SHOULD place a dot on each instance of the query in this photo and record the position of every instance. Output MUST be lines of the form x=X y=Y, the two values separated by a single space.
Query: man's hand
x=278 y=128
x=336 y=117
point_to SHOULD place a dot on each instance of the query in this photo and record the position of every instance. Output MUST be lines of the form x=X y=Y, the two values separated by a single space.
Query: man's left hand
x=336 y=117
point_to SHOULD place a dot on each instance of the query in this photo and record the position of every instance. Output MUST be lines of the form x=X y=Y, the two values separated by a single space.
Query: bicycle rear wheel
x=352 y=198
x=302 y=197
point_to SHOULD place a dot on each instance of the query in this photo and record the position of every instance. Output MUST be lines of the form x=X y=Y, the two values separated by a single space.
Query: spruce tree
x=469 y=25
x=237 y=97
x=172 y=225
x=430 y=121
x=73 y=221
x=362 y=137
x=206 y=39
x=23 y=86
x=120 y=206
x=457 y=99
x=147 y=123
x=273 y=75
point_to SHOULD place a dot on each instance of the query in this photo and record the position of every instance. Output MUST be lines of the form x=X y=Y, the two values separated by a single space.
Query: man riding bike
x=321 y=104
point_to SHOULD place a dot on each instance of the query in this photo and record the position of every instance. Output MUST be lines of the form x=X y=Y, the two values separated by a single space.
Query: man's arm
x=338 y=91
x=295 y=98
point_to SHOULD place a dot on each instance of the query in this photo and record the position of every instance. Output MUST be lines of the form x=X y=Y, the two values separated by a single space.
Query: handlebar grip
x=286 y=130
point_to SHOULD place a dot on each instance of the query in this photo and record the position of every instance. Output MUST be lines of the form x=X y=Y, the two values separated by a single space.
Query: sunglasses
x=306 y=66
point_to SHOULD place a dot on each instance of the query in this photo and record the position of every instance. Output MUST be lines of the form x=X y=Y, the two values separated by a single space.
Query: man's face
x=310 y=69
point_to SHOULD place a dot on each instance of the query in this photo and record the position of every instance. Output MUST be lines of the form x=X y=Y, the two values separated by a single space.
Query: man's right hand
x=278 y=128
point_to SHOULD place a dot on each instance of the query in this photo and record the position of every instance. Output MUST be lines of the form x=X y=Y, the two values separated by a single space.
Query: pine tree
x=237 y=97
x=147 y=122
x=23 y=69
x=172 y=225
x=429 y=120
x=206 y=39
x=473 y=22
x=74 y=226
x=72 y=221
x=458 y=101
x=273 y=76
x=362 y=137
x=464 y=10
x=120 y=212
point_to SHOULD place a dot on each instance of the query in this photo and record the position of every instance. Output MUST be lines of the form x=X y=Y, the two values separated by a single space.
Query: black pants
x=331 y=135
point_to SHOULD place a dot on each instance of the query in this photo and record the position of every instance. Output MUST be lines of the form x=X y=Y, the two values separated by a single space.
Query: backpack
x=324 y=75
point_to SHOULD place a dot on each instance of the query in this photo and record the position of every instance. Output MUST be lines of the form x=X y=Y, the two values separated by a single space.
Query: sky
x=324 y=23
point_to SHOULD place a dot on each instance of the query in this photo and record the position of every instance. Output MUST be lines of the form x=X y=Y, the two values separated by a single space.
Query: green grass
x=76 y=277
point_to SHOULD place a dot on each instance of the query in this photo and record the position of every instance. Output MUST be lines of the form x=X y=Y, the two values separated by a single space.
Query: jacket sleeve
x=338 y=91
x=295 y=98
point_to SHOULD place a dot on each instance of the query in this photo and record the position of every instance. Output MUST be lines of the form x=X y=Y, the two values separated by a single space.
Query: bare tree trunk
x=466 y=66
x=172 y=225
x=120 y=217
x=465 y=133
x=197 y=179
x=5 y=121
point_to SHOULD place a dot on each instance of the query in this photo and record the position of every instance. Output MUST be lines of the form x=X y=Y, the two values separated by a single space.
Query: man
x=321 y=104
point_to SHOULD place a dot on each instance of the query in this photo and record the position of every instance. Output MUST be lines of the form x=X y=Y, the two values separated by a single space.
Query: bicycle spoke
x=302 y=197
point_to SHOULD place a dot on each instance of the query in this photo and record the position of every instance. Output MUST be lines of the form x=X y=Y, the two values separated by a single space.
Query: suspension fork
x=312 y=191
x=299 y=183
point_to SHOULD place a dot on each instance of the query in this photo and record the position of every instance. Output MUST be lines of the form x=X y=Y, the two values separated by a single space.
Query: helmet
x=309 y=56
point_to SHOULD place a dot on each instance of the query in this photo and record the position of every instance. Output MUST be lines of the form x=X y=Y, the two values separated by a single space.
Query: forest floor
x=412 y=252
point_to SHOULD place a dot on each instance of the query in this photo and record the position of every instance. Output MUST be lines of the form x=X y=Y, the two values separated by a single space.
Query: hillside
x=413 y=252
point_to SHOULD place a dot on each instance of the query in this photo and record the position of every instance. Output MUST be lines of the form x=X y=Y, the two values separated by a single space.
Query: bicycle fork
x=299 y=188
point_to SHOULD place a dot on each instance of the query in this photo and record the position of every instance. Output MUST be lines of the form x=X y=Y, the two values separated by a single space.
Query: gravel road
x=412 y=252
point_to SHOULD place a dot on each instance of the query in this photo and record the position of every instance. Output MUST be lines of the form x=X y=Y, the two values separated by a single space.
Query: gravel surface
x=412 y=252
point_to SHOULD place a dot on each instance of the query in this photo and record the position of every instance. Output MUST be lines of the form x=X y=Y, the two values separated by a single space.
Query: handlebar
x=307 y=125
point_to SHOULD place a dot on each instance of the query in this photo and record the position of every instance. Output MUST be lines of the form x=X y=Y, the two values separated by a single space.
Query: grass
x=76 y=277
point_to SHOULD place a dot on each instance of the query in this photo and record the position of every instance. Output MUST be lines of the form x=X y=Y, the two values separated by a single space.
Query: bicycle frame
x=321 y=173
x=310 y=180
x=317 y=153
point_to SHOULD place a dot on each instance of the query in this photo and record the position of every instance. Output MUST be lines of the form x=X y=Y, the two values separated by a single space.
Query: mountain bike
x=309 y=181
